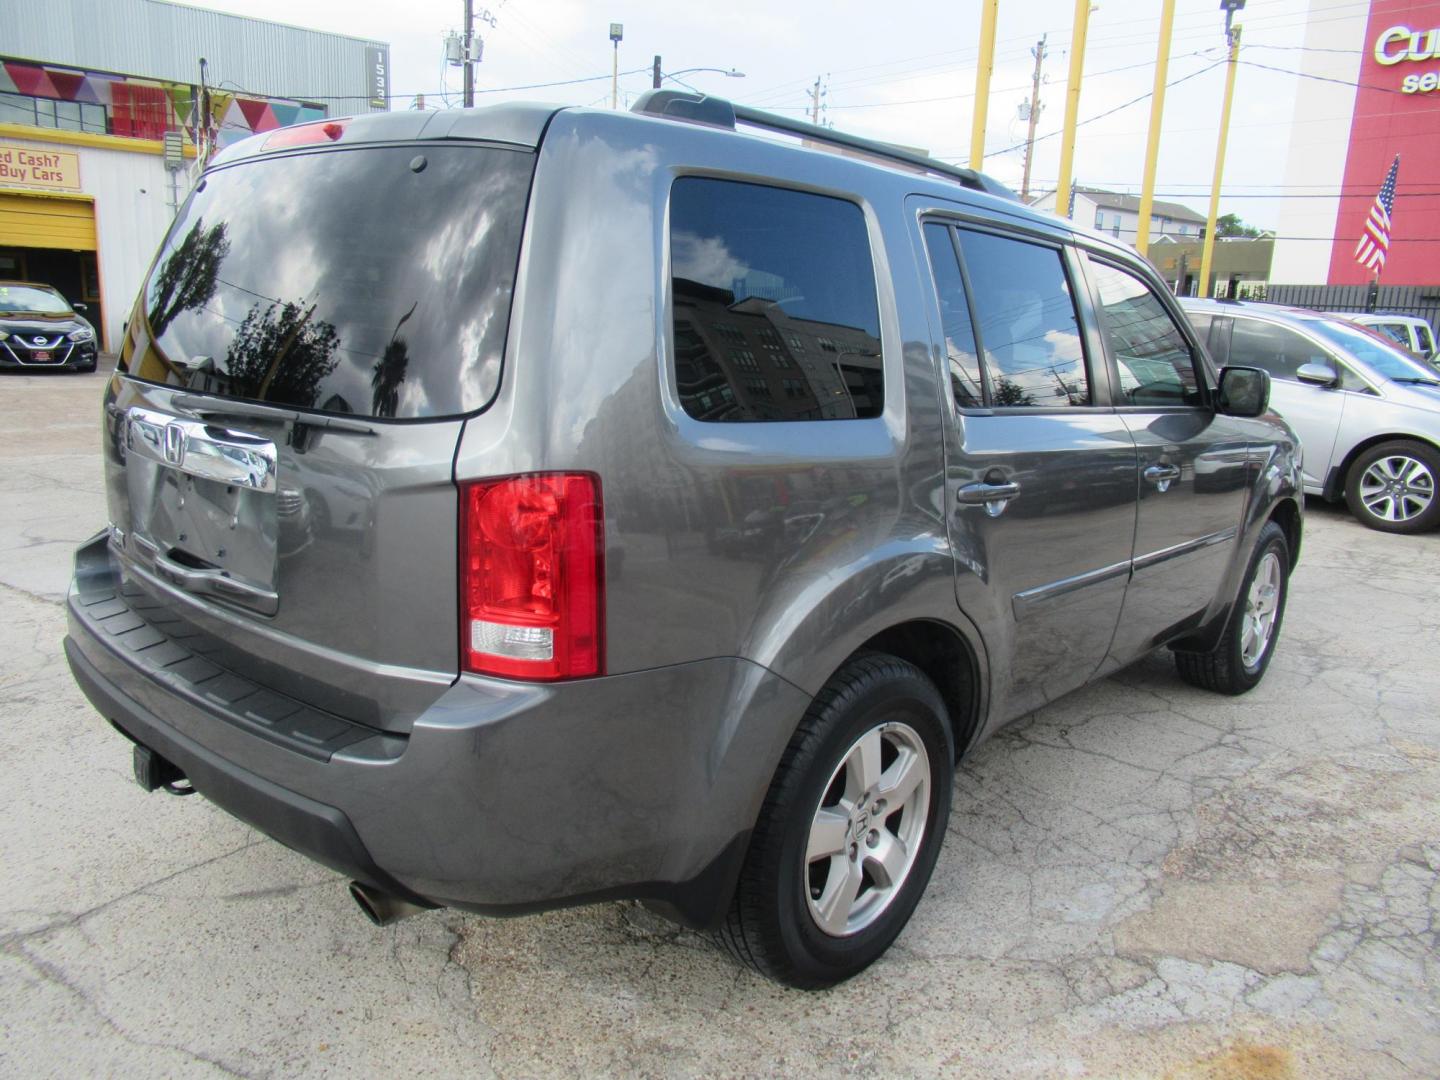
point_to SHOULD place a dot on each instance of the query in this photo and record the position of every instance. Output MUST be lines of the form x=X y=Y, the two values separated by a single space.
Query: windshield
x=373 y=281
x=1386 y=360
x=27 y=300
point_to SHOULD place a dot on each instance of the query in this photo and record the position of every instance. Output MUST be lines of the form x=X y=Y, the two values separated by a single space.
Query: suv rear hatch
x=297 y=372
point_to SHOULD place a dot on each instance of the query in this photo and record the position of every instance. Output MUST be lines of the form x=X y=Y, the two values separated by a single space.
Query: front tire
x=1238 y=661
x=1391 y=487
x=850 y=829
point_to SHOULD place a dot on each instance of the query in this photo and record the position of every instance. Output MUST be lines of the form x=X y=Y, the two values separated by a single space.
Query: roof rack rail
x=718 y=112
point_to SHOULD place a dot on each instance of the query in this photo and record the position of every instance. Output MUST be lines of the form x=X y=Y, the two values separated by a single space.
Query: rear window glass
x=775 y=309
x=375 y=282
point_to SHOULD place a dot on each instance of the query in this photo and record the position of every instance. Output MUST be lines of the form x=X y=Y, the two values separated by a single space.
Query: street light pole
x=1152 y=143
x=1072 y=104
x=985 y=66
x=1208 y=250
x=617 y=33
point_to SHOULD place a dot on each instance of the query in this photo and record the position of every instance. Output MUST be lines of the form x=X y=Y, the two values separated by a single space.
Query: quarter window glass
x=955 y=319
x=1028 y=327
x=1154 y=360
x=1427 y=343
x=775 y=309
x=1279 y=351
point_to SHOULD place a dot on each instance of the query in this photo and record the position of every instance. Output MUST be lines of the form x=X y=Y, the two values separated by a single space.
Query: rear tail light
x=532 y=602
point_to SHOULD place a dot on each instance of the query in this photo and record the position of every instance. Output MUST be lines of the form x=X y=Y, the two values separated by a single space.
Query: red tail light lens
x=318 y=131
x=532 y=602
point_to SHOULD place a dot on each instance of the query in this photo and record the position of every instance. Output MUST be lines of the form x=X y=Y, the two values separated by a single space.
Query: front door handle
x=1162 y=476
x=994 y=497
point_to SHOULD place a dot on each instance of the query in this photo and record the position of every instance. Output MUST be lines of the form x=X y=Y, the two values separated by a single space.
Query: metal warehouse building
x=102 y=111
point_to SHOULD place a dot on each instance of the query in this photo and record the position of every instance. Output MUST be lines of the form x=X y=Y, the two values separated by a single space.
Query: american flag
x=1374 y=242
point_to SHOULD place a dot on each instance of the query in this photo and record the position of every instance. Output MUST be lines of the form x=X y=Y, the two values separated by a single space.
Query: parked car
x=1367 y=413
x=39 y=329
x=1410 y=332
x=717 y=494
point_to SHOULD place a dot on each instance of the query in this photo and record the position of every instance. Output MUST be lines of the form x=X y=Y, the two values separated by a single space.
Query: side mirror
x=81 y=307
x=1317 y=375
x=1244 y=391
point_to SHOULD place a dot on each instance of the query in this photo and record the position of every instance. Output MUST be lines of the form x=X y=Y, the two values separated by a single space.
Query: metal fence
x=1421 y=300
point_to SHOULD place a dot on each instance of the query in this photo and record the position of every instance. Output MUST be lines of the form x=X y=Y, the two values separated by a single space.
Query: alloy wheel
x=1397 y=488
x=867 y=829
x=1262 y=603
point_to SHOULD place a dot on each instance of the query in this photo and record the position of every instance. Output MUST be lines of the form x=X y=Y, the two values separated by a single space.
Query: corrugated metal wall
x=160 y=40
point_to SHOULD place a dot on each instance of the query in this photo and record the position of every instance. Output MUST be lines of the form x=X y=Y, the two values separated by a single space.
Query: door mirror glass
x=1317 y=374
x=1244 y=391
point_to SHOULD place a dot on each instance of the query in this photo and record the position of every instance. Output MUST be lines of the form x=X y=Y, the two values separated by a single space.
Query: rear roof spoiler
x=720 y=113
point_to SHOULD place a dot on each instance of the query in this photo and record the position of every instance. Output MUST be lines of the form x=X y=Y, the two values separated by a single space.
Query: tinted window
x=965 y=381
x=775 y=310
x=1201 y=323
x=1396 y=332
x=1028 y=328
x=1153 y=358
x=1427 y=341
x=345 y=281
x=1274 y=348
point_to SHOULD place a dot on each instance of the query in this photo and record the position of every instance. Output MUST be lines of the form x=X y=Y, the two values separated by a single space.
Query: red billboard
x=1397 y=111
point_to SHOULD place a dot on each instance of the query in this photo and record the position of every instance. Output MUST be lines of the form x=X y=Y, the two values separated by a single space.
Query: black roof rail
x=718 y=112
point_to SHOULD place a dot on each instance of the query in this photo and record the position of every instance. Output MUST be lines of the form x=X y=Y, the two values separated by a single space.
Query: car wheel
x=1391 y=487
x=1238 y=661
x=850 y=829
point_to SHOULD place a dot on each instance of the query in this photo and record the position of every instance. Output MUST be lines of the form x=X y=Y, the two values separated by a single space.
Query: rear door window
x=775 y=312
x=1278 y=350
x=1154 y=360
x=372 y=281
x=1027 y=326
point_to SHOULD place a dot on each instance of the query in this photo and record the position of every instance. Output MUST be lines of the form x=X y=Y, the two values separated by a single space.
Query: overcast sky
x=900 y=71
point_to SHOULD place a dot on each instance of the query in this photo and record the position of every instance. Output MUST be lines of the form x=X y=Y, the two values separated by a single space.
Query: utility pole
x=814 y=101
x=1152 y=143
x=1232 y=35
x=655 y=75
x=1072 y=98
x=469 y=46
x=1039 y=53
x=983 y=69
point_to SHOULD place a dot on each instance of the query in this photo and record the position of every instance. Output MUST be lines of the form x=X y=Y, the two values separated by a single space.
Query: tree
x=1231 y=225
x=188 y=277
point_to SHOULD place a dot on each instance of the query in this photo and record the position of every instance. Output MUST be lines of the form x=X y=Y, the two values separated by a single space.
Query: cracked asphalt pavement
x=1141 y=879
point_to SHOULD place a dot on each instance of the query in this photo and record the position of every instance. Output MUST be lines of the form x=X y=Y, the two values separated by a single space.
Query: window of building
x=1155 y=363
x=773 y=264
x=1099 y=219
x=43 y=112
x=1028 y=329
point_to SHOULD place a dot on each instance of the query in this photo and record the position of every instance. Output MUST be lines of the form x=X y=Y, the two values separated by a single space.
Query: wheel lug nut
x=872 y=839
x=854 y=851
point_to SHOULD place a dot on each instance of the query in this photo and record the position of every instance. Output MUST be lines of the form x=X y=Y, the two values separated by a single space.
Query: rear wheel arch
x=948 y=660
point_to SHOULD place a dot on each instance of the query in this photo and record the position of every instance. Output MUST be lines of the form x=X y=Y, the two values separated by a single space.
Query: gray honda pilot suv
x=521 y=507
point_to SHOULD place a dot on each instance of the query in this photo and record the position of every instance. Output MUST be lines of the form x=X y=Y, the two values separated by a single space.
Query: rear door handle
x=994 y=497
x=1162 y=476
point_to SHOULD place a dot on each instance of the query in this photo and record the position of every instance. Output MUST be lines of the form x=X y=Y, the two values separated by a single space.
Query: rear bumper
x=503 y=798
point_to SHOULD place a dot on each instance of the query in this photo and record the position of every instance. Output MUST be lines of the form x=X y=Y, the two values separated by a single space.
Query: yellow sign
x=54 y=170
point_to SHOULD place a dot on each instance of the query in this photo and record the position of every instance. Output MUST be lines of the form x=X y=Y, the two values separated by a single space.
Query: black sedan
x=39 y=329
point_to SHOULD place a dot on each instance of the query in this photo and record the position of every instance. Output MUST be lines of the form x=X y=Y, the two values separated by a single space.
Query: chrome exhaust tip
x=381 y=908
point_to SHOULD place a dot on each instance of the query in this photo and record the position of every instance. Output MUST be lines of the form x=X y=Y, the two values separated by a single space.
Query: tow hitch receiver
x=153 y=772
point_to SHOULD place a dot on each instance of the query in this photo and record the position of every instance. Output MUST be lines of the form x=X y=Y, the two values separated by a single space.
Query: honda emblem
x=174 y=444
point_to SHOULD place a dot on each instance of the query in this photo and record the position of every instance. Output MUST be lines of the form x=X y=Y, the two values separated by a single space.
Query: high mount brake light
x=317 y=133
x=532 y=602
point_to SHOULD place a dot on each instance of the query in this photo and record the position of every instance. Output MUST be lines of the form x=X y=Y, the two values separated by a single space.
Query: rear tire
x=850 y=829
x=1392 y=487
x=1238 y=661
